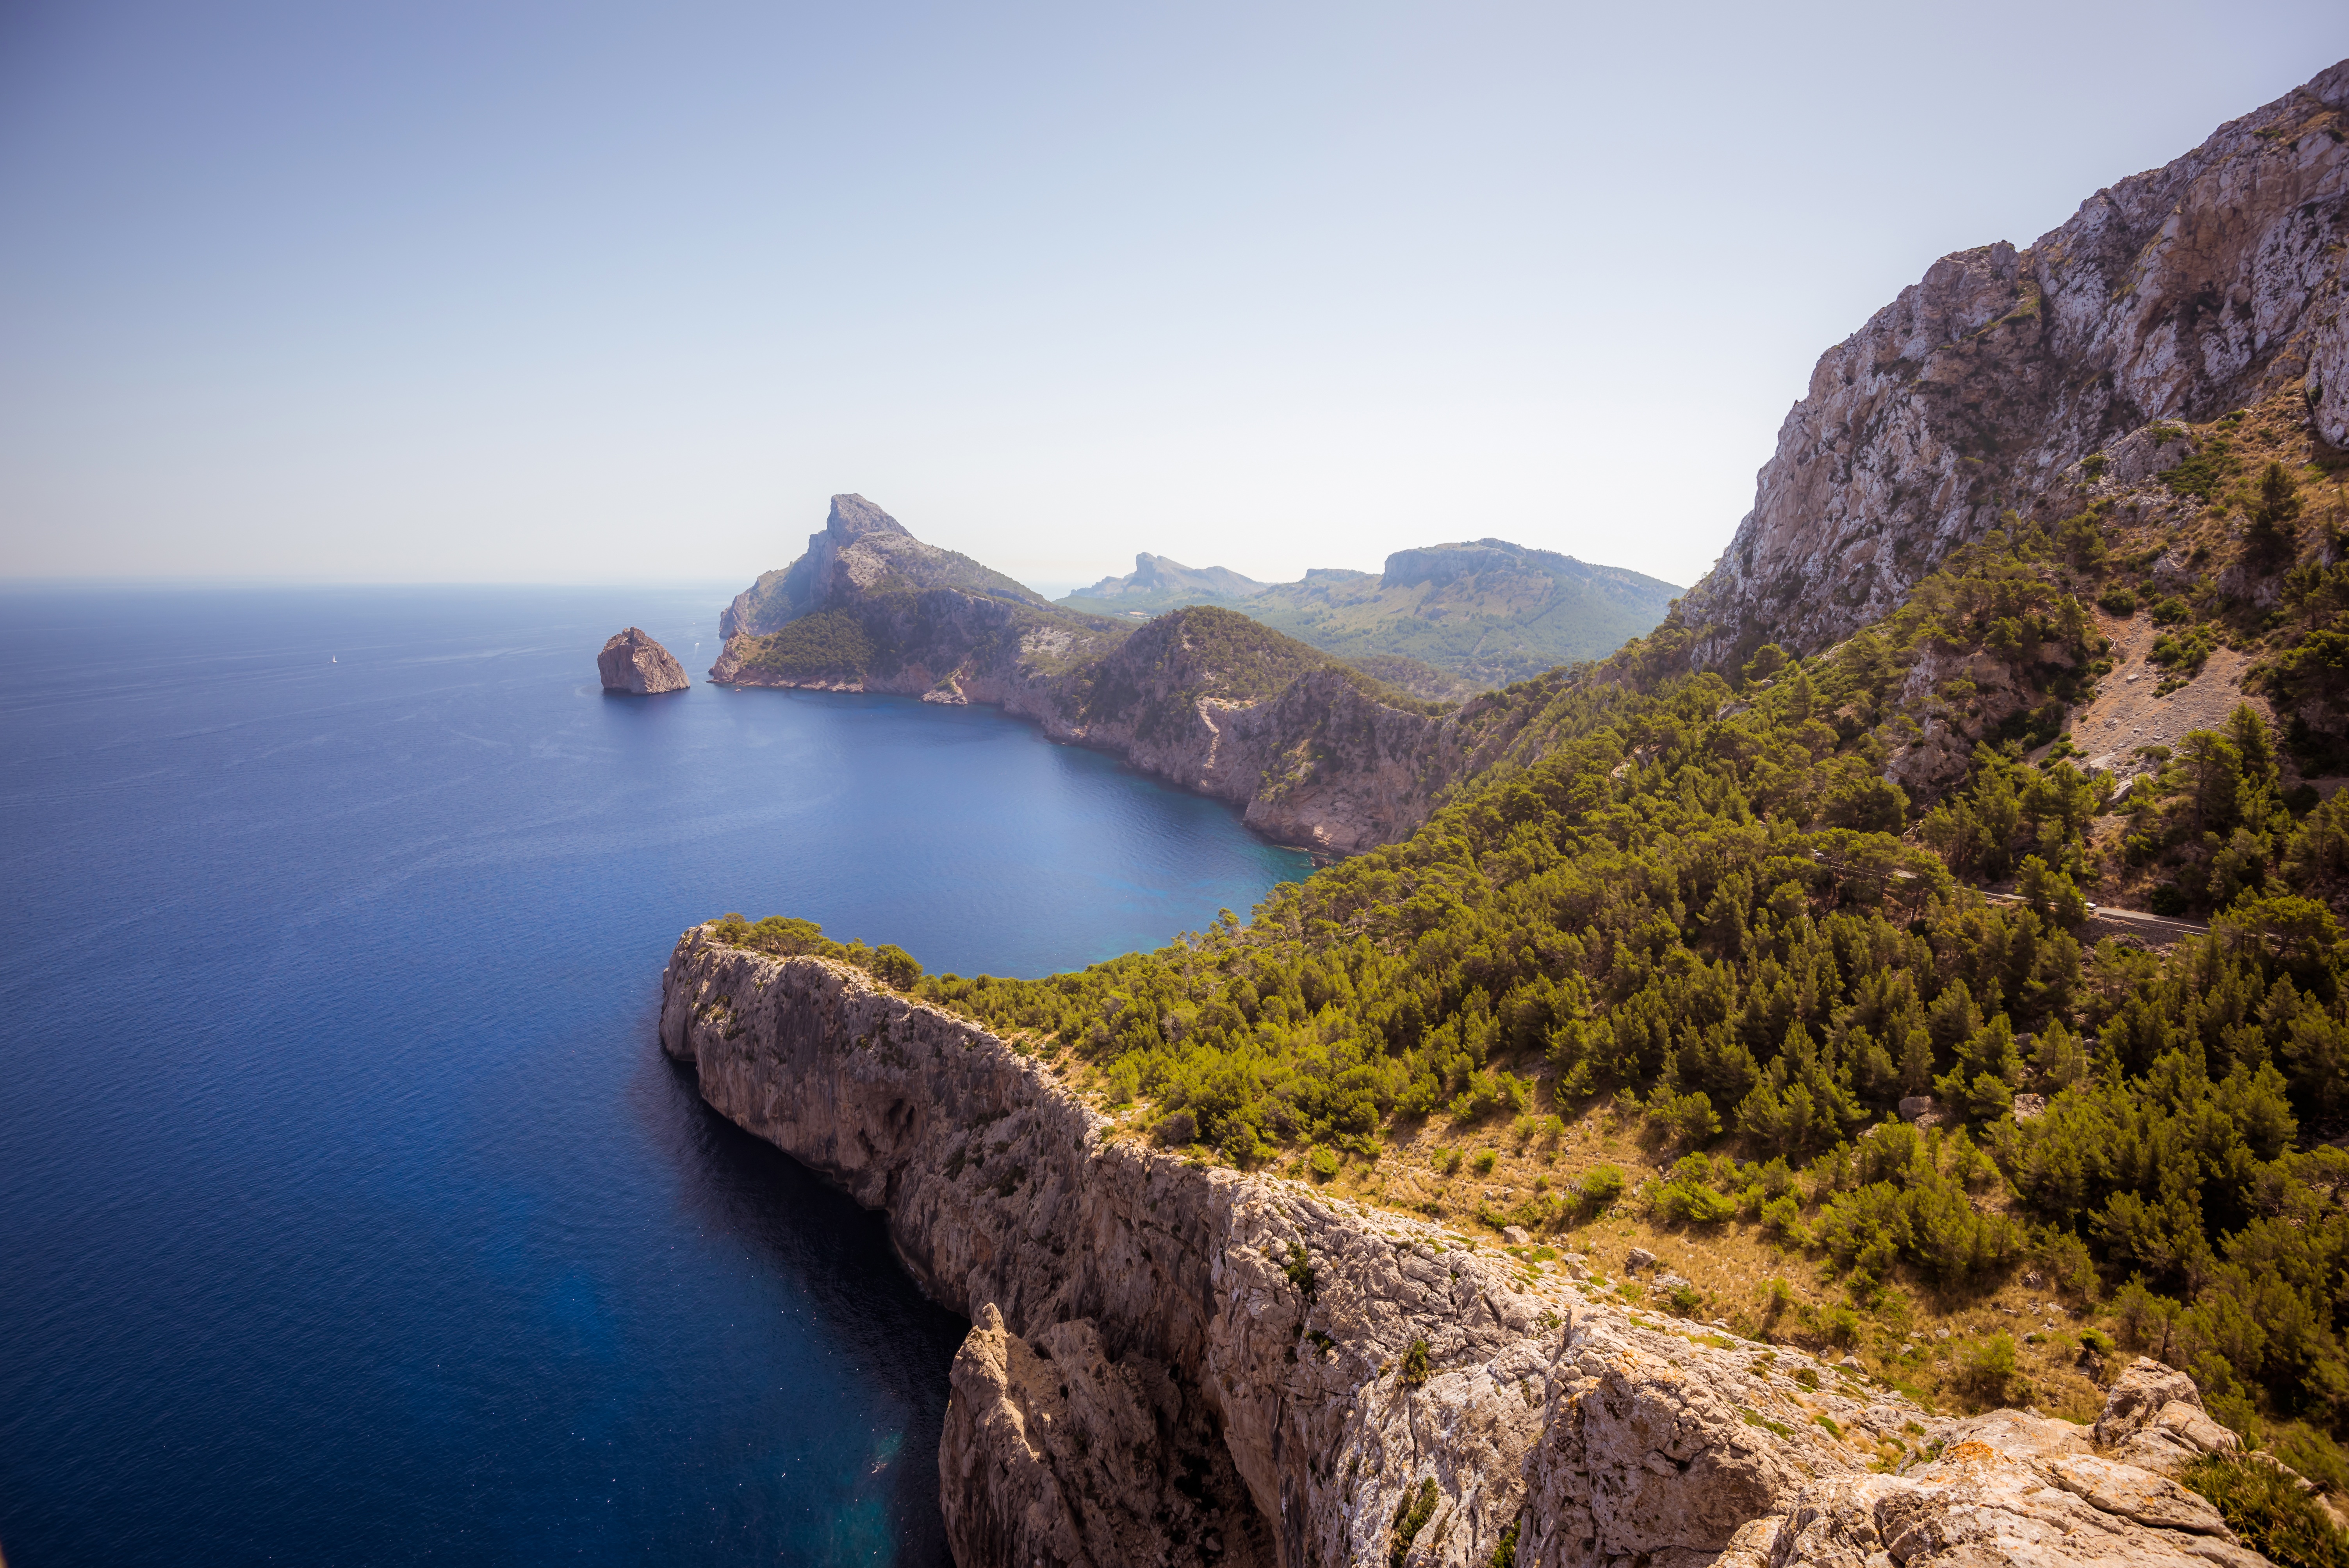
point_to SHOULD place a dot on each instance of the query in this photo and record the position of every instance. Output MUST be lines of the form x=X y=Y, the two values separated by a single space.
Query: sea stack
x=632 y=662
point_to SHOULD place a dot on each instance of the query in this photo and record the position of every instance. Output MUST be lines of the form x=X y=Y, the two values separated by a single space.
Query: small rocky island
x=633 y=662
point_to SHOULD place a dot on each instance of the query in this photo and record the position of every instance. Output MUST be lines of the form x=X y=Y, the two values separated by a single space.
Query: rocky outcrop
x=1174 y=1363
x=632 y=662
x=2154 y=1420
x=2182 y=292
x=860 y=547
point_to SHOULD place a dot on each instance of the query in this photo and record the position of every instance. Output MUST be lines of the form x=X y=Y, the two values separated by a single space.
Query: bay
x=349 y=1212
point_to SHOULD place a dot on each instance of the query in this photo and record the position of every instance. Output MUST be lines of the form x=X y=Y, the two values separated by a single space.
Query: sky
x=447 y=292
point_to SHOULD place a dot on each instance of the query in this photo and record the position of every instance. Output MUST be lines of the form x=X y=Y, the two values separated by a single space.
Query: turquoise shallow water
x=349 y=1212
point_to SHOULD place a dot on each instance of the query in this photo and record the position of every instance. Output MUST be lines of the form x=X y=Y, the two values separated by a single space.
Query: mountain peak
x=1989 y=388
x=853 y=517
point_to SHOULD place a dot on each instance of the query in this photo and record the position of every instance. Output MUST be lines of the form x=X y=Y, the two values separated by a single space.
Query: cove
x=349 y=1213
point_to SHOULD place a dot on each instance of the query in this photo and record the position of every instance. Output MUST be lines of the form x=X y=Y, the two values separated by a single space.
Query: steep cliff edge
x=2199 y=287
x=1172 y=1362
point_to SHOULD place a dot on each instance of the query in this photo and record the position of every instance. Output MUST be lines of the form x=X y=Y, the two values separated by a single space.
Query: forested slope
x=1694 y=920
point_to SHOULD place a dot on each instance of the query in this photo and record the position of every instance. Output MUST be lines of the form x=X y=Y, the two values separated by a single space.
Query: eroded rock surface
x=1054 y=1453
x=1376 y=1390
x=632 y=662
x=2181 y=293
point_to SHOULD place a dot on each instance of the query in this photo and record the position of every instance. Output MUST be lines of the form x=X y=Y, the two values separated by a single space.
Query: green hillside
x=1485 y=613
x=1702 y=936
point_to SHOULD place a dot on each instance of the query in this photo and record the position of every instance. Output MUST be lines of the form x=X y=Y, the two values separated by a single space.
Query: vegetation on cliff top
x=1155 y=680
x=1703 y=907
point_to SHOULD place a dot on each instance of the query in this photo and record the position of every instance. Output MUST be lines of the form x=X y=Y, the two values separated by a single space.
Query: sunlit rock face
x=633 y=662
x=2182 y=292
x=1175 y=1363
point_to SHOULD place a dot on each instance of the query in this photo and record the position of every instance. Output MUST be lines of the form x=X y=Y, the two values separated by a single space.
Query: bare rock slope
x=1171 y=1363
x=2181 y=293
x=632 y=662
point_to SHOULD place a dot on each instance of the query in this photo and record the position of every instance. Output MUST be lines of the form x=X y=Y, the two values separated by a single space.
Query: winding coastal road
x=2132 y=921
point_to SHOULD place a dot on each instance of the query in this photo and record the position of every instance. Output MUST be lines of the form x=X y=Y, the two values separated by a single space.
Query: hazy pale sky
x=583 y=292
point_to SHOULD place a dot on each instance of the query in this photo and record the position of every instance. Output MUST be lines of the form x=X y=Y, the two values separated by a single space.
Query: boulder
x=633 y=662
x=2137 y=1395
x=2154 y=1420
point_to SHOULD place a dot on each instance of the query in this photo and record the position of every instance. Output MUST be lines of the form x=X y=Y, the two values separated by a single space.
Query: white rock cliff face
x=1173 y=1363
x=2199 y=287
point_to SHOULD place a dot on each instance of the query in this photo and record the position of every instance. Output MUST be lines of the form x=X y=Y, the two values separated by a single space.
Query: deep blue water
x=349 y=1212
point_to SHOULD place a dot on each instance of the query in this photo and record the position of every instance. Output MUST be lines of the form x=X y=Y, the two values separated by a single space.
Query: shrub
x=1409 y=1518
x=1322 y=1163
x=893 y=966
x=2172 y=611
x=1484 y=1162
x=2119 y=601
x=2260 y=1503
x=2315 y=1456
x=1299 y=1267
x=1987 y=1368
x=1693 y=1203
x=1176 y=1129
x=1601 y=1186
x=1686 y=1118
x=1415 y=1364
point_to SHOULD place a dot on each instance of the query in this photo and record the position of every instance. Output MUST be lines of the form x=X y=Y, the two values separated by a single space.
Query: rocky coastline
x=1323 y=763
x=1173 y=1362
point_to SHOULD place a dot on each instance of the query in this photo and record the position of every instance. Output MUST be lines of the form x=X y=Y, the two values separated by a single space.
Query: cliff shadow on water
x=897 y=1342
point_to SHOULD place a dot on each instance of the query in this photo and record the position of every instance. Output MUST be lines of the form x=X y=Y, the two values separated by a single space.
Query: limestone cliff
x=2182 y=292
x=632 y=662
x=1173 y=1362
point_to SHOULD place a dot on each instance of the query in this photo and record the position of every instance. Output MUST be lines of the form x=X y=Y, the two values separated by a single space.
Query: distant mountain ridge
x=1483 y=612
x=1160 y=576
x=1316 y=751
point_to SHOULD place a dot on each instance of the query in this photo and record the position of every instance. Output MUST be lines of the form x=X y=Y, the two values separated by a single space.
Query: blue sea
x=348 y=1210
